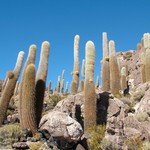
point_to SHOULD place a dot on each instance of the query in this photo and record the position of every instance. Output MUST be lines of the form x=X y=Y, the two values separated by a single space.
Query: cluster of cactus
x=32 y=88
x=75 y=73
x=145 y=58
x=110 y=68
x=9 y=86
x=105 y=72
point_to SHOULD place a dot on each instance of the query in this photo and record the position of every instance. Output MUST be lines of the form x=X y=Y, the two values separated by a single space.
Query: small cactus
x=123 y=78
x=58 y=84
x=49 y=87
x=89 y=89
x=83 y=68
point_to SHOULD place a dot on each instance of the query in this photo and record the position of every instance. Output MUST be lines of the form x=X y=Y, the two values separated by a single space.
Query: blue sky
x=26 y=22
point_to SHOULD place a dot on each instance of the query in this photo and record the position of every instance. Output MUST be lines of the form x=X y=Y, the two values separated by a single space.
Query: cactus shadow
x=102 y=106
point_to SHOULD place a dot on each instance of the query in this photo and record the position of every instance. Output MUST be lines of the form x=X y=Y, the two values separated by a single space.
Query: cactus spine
x=90 y=95
x=8 y=91
x=75 y=80
x=40 y=82
x=28 y=97
x=114 y=70
x=105 y=65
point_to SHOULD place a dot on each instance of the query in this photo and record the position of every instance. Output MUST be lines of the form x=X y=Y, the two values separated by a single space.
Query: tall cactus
x=83 y=68
x=28 y=97
x=67 y=85
x=49 y=87
x=97 y=82
x=143 y=76
x=10 y=86
x=90 y=95
x=58 y=84
x=114 y=70
x=75 y=80
x=33 y=90
x=105 y=65
x=30 y=60
x=40 y=82
x=62 y=82
x=123 y=78
x=147 y=55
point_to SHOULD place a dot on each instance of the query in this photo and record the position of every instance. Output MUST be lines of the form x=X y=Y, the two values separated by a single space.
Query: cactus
x=82 y=85
x=75 y=80
x=143 y=76
x=62 y=82
x=28 y=97
x=30 y=60
x=16 y=88
x=39 y=87
x=105 y=65
x=67 y=85
x=49 y=87
x=62 y=86
x=10 y=86
x=40 y=82
x=83 y=68
x=147 y=55
x=97 y=82
x=114 y=70
x=123 y=78
x=58 y=84
x=89 y=89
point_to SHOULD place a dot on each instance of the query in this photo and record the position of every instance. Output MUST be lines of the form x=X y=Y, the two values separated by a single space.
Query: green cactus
x=28 y=97
x=30 y=60
x=105 y=65
x=123 y=78
x=115 y=86
x=75 y=80
x=40 y=82
x=8 y=91
x=89 y=88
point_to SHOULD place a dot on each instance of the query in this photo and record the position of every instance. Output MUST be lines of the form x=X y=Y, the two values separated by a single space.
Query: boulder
x=61 y=126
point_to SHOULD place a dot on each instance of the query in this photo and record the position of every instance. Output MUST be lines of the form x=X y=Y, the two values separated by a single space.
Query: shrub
x=96 y=134
x=55 y=98
x=35 y=146
x=134 y=143
x=137 y=95
x=108 y=145
x=9 y=134
x=142 y=116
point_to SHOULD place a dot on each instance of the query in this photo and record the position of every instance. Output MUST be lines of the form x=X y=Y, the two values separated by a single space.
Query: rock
x=20 y=145
x=61 y=126
x=80 y=147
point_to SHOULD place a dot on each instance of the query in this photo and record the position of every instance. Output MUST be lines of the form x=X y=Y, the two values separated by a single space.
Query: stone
x=20 y=145
x=60 y=125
